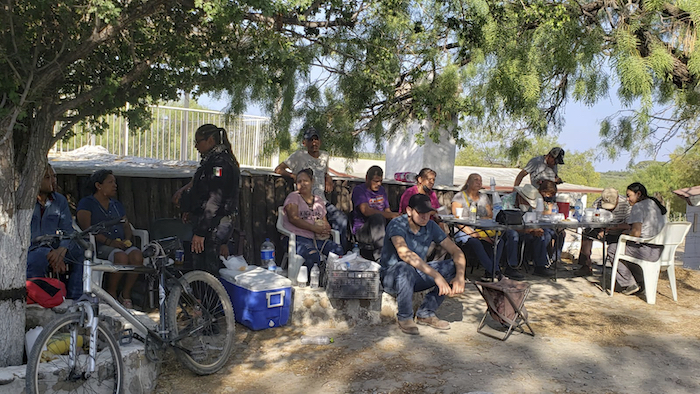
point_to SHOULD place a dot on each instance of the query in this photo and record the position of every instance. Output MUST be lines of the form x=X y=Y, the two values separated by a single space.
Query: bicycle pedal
x=126 y=336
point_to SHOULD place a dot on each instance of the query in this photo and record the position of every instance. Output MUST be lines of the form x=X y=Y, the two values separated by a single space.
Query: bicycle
x=78 y=352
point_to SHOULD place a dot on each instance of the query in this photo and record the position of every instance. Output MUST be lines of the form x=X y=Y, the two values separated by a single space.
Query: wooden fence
x=149 y=199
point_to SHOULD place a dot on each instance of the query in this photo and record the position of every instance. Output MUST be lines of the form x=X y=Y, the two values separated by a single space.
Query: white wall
x=691 y=256
x=404 y=154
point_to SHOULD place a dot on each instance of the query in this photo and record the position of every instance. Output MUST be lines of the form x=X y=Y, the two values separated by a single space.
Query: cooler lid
x=259 y=279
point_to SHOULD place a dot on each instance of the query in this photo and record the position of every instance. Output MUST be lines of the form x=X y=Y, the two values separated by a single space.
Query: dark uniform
x=212 y=202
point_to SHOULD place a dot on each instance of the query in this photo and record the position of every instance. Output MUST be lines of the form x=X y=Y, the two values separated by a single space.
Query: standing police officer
x=212 y=200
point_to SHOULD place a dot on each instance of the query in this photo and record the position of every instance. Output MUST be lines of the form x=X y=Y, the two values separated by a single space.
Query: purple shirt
x=378 y=200
x=414 y=190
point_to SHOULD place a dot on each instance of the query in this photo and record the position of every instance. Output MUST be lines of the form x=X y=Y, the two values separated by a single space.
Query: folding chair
x=505 y=302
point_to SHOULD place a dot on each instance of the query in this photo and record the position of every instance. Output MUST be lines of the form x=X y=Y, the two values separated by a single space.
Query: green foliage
x=579 y=169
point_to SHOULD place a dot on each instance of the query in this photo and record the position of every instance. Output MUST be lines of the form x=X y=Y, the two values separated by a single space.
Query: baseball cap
x=608 y=198
x=529 y=193
x=420 y=203
x=558 y=154
x=310 y=133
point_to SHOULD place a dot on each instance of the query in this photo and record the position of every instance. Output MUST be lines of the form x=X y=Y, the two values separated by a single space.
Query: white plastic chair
x=670 y=237
x=294 y=261
x=98 y=275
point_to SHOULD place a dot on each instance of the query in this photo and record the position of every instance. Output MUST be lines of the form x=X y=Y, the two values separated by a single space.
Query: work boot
x=584 y=271
x=513 y=273
x=433 y=322
x=408 y=326
x=544 y=272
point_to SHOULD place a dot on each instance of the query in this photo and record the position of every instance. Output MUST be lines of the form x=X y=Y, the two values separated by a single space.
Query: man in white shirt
x=543 y=167
x=317 y=160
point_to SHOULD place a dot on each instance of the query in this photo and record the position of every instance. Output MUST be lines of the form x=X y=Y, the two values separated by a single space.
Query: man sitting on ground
x=612 y=201
x=51 y=215
x=371 y=212
x=405 y=271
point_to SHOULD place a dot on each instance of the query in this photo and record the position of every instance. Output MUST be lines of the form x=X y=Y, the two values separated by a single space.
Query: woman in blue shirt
x=115 y=243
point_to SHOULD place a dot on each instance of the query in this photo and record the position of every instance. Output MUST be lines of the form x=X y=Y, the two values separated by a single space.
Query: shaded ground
x=586 y=342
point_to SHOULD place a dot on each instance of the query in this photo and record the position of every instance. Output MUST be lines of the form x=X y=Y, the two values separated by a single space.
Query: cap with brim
x=420 y=203
x=310 y=133
x=608 y=198
x=529 y=193
x=558 y=154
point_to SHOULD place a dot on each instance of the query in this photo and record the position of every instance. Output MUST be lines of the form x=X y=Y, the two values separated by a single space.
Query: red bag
x=47 y=292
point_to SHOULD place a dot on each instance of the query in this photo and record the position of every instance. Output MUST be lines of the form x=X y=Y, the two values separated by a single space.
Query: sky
x=579 y=133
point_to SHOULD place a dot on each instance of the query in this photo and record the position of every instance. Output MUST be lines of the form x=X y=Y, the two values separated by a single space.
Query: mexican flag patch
x=217 y=172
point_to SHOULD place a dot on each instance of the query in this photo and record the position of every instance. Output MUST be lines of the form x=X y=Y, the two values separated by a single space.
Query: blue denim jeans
x=538 y=246
x=402 y=280
x=483 y=252
x=309 y=249
x=38 y=267
x=509 y=244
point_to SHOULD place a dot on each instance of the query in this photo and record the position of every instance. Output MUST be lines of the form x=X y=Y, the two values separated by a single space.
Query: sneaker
x=408 y=326
x=513 y=273
x=544 y=272
x=433 y=322
x=631 y=289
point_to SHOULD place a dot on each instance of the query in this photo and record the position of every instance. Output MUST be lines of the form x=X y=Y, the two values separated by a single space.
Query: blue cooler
x=261 y=299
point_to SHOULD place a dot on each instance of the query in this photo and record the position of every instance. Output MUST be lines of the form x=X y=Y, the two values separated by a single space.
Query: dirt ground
x=585 y=342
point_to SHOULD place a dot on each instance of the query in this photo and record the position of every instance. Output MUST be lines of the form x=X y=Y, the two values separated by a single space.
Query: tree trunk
x=13 y=257
x=19 y=182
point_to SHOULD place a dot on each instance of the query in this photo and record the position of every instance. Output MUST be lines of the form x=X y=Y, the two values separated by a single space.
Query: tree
x=504 y=68
x=74 y=61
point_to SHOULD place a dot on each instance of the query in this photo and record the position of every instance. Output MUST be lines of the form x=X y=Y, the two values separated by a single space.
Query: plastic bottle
x=539 y=207
x=267 y=255
x=472 y=213
x=316 y=340
x=555 y=209
x=315 y=277
x=411 y=177
x=356 y=249
x=497 y=204
x=578 y=210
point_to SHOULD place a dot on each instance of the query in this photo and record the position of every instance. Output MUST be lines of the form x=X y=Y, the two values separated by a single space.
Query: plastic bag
x=236 y=263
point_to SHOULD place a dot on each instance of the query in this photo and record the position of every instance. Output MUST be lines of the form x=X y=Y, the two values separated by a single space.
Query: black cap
x=558 y=154
x=420 y=203
x=310 y=133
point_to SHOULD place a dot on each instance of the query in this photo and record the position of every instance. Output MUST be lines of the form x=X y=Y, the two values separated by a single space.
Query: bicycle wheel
x=49 y=362
x=201 y=323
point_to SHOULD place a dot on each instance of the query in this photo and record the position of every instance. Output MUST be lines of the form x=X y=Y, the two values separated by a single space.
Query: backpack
x=47 y=292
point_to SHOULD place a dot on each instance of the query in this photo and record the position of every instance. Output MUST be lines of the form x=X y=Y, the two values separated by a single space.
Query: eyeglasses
x=196 y=142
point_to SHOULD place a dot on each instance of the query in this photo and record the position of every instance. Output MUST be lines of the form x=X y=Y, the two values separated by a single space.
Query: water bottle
x=539 y=207
x=497 y=204
x=356 y=249
x=472 y=213
x=578 y=210
x=316 y=340
x=411 y=177
x=315 y=276
x=267 y=255
x=555 y=209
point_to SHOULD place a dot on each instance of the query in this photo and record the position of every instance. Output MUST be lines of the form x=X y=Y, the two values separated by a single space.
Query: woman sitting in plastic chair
x=305 y=216
x=647 y=220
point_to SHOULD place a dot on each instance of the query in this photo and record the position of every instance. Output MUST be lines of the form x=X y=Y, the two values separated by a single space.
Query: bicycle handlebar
x=78 y=235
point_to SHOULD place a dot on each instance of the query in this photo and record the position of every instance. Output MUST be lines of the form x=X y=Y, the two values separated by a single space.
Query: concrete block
x=139 y=374
x=312 y=307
